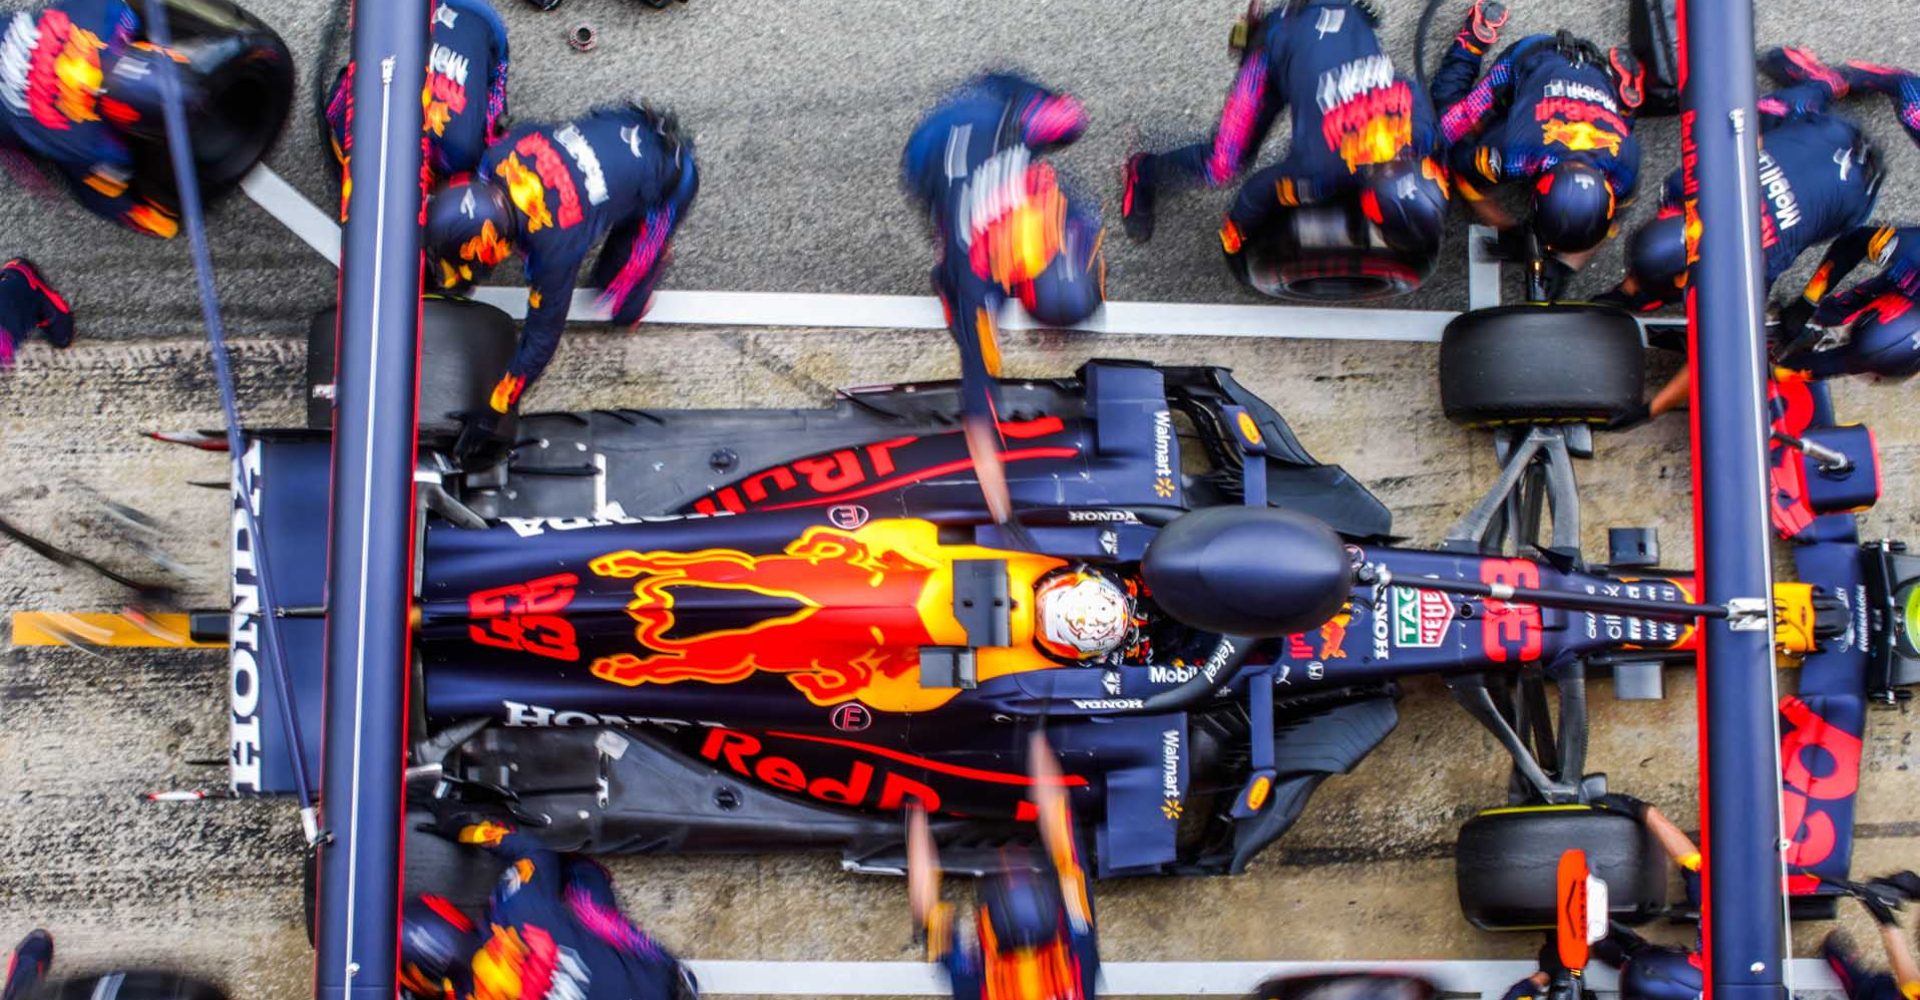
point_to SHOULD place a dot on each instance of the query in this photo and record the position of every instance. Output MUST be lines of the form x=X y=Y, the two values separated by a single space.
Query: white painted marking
x=284 y=202
x=913 y=312
x=1145 y=979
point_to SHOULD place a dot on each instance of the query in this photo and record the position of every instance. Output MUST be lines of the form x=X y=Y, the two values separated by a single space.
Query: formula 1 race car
x=675 y=630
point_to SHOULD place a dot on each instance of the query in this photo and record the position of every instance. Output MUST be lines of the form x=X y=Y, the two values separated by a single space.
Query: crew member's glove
x=1882 y=913
x=1900 y=884
x=1793 y=318
x=1625 y=805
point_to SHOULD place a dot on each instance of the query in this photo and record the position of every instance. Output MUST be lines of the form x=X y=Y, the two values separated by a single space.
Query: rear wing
x=290 y=475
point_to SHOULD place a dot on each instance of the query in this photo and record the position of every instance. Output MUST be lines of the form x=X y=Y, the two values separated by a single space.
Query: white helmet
x=1080 y=614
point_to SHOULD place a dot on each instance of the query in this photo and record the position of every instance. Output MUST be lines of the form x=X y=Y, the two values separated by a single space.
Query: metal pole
x=370 y=550
x=1744 y=909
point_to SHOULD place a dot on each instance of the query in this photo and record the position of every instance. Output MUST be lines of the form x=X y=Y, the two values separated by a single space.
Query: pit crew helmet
x=1573 y=206
x=1073 y=285
x=1080 y=614
x=1657 y=254
x=471 y=227
x=1406 y=199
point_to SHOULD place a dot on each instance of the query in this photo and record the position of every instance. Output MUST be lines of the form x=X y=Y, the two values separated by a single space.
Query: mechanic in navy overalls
x=1871 y=327
x=1552 y=112
x=1003 y=222
x=553 y=930
x=465 y=98
x=1360 y=130
x=1819 y=177
x=74 y=80
x=28 y=305
x=551 y=192
x=1035 y=928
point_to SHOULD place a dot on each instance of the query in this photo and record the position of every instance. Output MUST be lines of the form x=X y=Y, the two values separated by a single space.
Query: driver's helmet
x=1406 y=199
x=130 y=92
x=1025 y=949
x=471 y=227
x=1074 y=284
x=1080 y=614
x=1573 y=206
x=437 y=941
x=1657 y=256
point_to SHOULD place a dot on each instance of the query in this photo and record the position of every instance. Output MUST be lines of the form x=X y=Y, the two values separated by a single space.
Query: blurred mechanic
x=1035 y=929
x=1902 y=981
x=1819 y=177
x=553 y=931
x=1554 y=113
x=1004 y=224
x=1360 y=130
x=551 y=192
x=465 y=97
x=29 y=305
x=75 y=86
x=1872 y=327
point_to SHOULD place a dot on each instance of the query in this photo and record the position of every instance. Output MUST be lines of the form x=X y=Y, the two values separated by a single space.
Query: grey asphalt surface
x=799 y=111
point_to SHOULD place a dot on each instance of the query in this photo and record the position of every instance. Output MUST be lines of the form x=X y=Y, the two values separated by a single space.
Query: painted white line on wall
x=1147 y=979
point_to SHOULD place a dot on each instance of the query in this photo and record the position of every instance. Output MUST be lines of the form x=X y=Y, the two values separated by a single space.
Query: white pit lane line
x=901 y=312
x=1487 y=979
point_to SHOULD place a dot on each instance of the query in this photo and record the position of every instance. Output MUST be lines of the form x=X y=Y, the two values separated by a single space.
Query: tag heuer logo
x=1420 y=618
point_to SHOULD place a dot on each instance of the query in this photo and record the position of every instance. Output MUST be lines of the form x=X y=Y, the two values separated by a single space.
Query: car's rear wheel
x=464 y=349
x=1541 y=364
x=1330 y=253
x=1507 y=860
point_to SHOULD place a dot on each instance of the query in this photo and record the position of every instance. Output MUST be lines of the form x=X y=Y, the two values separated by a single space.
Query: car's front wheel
x=1507 y=860
x=1541 y=364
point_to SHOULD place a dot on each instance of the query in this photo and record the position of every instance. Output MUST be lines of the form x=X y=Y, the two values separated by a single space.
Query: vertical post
x=1744 y=908
x=370 y=549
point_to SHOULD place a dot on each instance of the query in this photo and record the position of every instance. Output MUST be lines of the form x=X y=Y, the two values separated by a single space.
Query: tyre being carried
x=1541 y=364
x=82 y=93
x=1332 y=253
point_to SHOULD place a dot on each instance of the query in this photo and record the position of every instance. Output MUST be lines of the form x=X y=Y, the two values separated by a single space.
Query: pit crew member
x=29 y=305
x=550 y=192
x=553 y=931
x=1035 y=928
x=465 y=97
x=75 y=85
x=1360 y=130
x=1870 y=328
x=1004 y=223
x=1819 y=178
x=1554 y=113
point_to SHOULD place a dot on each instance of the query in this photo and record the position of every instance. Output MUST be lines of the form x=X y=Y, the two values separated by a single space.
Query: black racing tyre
x=246 y=73
x=1330 y=253
x=1541 y=364
x=134 y=984
x=464 y=349
x=1506 y=863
